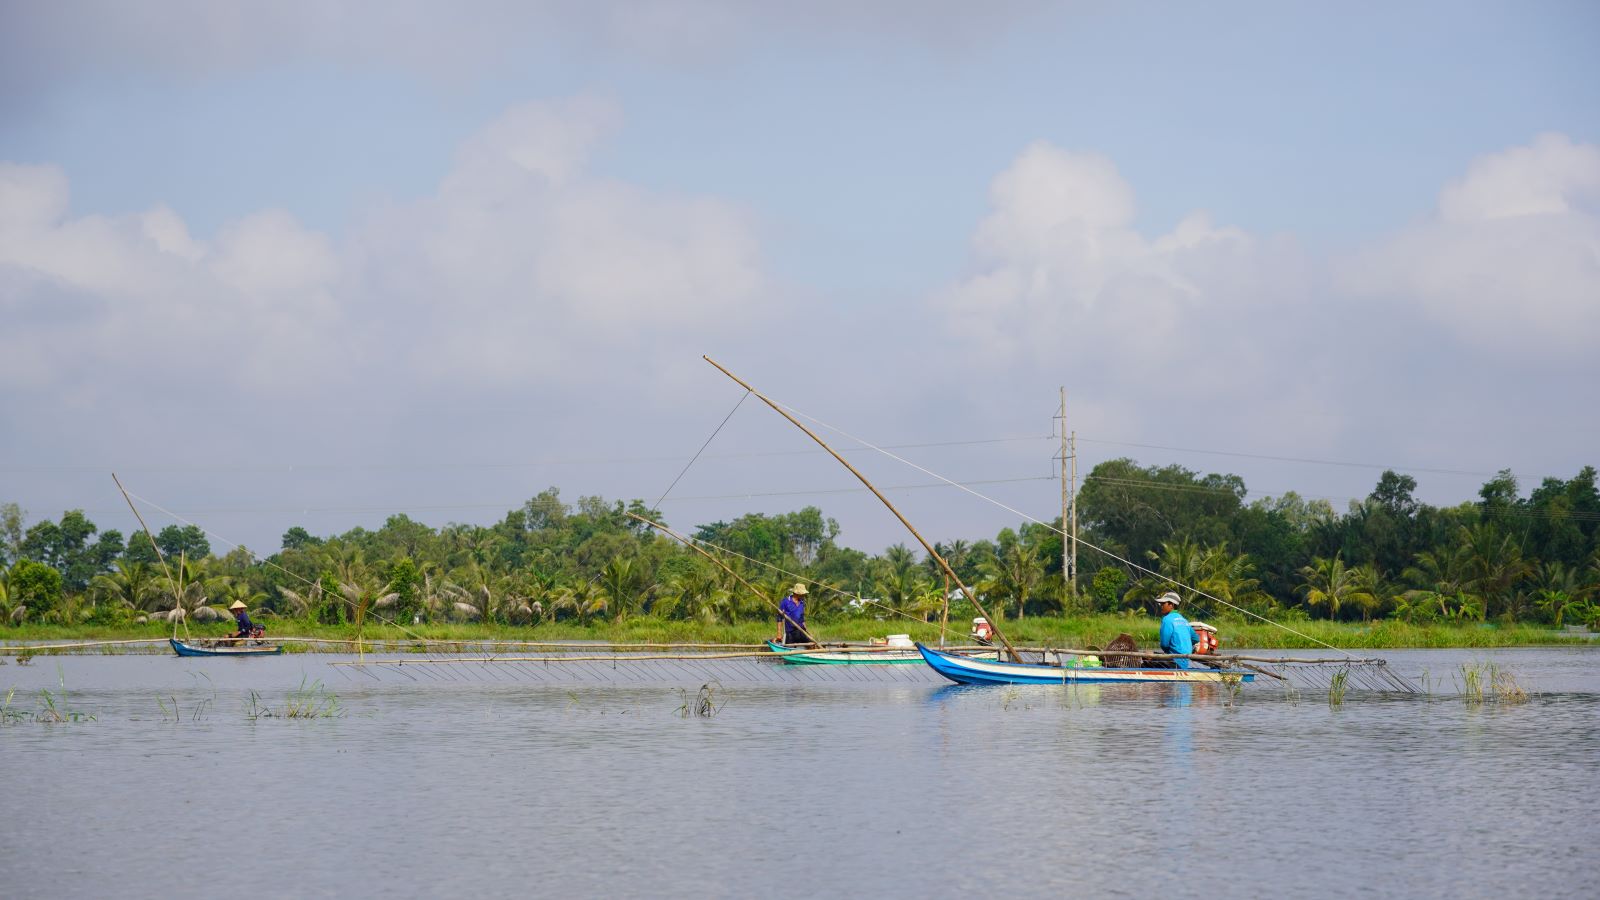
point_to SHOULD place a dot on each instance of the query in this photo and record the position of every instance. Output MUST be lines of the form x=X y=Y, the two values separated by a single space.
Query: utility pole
x=1069 y=505
x=1072 y=578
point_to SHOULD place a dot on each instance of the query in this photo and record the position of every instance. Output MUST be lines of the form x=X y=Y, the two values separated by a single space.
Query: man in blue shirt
x=792 y=616
x=1176 y=635
x=241 y=618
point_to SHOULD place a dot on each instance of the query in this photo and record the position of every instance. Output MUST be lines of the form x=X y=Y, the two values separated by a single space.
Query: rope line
x=691 y=462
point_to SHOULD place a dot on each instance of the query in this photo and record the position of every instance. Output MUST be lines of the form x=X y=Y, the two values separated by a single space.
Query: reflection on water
x=807 y=781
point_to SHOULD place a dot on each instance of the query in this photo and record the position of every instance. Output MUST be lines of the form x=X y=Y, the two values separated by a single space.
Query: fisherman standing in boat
x=241 y=618
x=1176 y=635
x=792 y=617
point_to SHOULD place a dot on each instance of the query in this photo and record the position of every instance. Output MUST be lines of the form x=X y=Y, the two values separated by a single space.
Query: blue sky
x=507 y=231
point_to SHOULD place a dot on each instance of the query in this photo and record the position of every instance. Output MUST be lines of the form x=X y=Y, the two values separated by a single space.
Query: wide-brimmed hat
x=799 y=589
x=237 y=604
x=1201 y=626
x=1169 y=597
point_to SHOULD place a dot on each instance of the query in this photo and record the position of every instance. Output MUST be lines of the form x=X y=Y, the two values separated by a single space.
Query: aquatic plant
x=52 y=709
x=1337 y=686
x=1234 y=684
x=1505 y=685
x=175 y=713
x=703 y=705
x=311 y=702
x=308 y=701
x=1472 y=682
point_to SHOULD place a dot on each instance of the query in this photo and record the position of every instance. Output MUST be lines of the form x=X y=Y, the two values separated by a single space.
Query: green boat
x=848 y=655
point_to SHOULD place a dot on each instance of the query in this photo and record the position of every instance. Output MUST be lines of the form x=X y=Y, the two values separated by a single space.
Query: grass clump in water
x=53 y=708
x=703 y=705
x=1489 y=681
x=311 y=701
x=1337 y=687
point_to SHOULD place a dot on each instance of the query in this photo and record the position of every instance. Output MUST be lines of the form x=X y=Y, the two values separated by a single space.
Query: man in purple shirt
x=792 y=616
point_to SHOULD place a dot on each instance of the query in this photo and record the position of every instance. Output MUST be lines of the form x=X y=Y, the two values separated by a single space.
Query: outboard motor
x=982 y=631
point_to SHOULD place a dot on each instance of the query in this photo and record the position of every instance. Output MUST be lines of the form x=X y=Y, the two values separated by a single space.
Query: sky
x=318 y=262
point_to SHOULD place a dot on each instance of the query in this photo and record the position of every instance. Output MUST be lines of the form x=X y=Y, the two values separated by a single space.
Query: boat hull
x=862 y=656
x=182 y=649
x=966 y=670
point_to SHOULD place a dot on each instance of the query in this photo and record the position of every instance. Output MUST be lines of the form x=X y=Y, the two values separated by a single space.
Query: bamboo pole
x=932 y=554
x=9 y=649
x=700 y=550
x=159 y=555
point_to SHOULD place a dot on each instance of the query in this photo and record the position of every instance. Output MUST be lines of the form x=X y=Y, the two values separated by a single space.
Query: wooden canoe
x=857 y=655
x=225 y=647
x=967 y=670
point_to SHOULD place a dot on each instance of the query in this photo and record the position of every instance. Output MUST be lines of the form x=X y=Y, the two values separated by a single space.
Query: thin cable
x=306 y=510
x=1059 y=531
x=1294 y=459
x=657 y=504
x=555 y=461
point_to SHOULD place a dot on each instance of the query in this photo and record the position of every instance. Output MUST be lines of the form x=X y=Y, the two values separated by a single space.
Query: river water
x=590 y=779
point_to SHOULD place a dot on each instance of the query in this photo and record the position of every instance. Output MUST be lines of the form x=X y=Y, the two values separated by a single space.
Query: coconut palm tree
x=129 y=584
x=300 y=603
x=471 y=593
x=185 y=598
x=1012 y=575
x=11 y=608
x=1183 y=562
x=226 y=589
x=1495 y=565
x=697 y=594
x=898 y=582
x=1328 y=582
x=1560 y=590
x=625 y=580
x=1441 y=585
x=523 y=602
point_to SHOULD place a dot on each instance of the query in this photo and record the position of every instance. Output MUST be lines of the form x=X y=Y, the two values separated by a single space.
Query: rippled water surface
x=806 y=781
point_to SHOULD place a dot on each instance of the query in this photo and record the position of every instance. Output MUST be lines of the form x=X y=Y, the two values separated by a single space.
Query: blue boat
x=224 y=647
x=967 y=670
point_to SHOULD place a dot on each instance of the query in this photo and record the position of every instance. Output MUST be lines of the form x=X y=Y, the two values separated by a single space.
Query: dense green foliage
x=1505 y=557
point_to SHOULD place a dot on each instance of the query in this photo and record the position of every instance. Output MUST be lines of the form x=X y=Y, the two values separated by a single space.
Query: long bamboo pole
x=700 y=550
x=159 y=555
x=932 y=554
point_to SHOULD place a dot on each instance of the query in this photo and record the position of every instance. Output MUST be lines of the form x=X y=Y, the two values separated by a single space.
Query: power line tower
x=1069 y=500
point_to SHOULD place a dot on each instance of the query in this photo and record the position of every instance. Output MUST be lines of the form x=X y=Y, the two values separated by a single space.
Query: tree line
x=1143 y=530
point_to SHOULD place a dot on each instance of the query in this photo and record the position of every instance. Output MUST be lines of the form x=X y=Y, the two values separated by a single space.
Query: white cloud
x=1062 y=278
x=1209 y=335
x=521 y=265
x=1511 y=259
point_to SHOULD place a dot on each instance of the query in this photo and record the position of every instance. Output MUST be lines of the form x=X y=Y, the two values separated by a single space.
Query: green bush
x=36 y=586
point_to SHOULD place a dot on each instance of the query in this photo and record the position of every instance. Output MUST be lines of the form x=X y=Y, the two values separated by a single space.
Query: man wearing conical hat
x=241 y=618
x=792 y=616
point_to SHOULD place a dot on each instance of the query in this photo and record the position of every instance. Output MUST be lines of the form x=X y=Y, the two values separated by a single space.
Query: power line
x=505 y=464
x=446 y=507
x=1293 y=459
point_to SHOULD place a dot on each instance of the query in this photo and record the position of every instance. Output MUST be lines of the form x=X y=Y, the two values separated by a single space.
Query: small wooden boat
x=225 y=647
x=849 y=655
x=968 y=670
